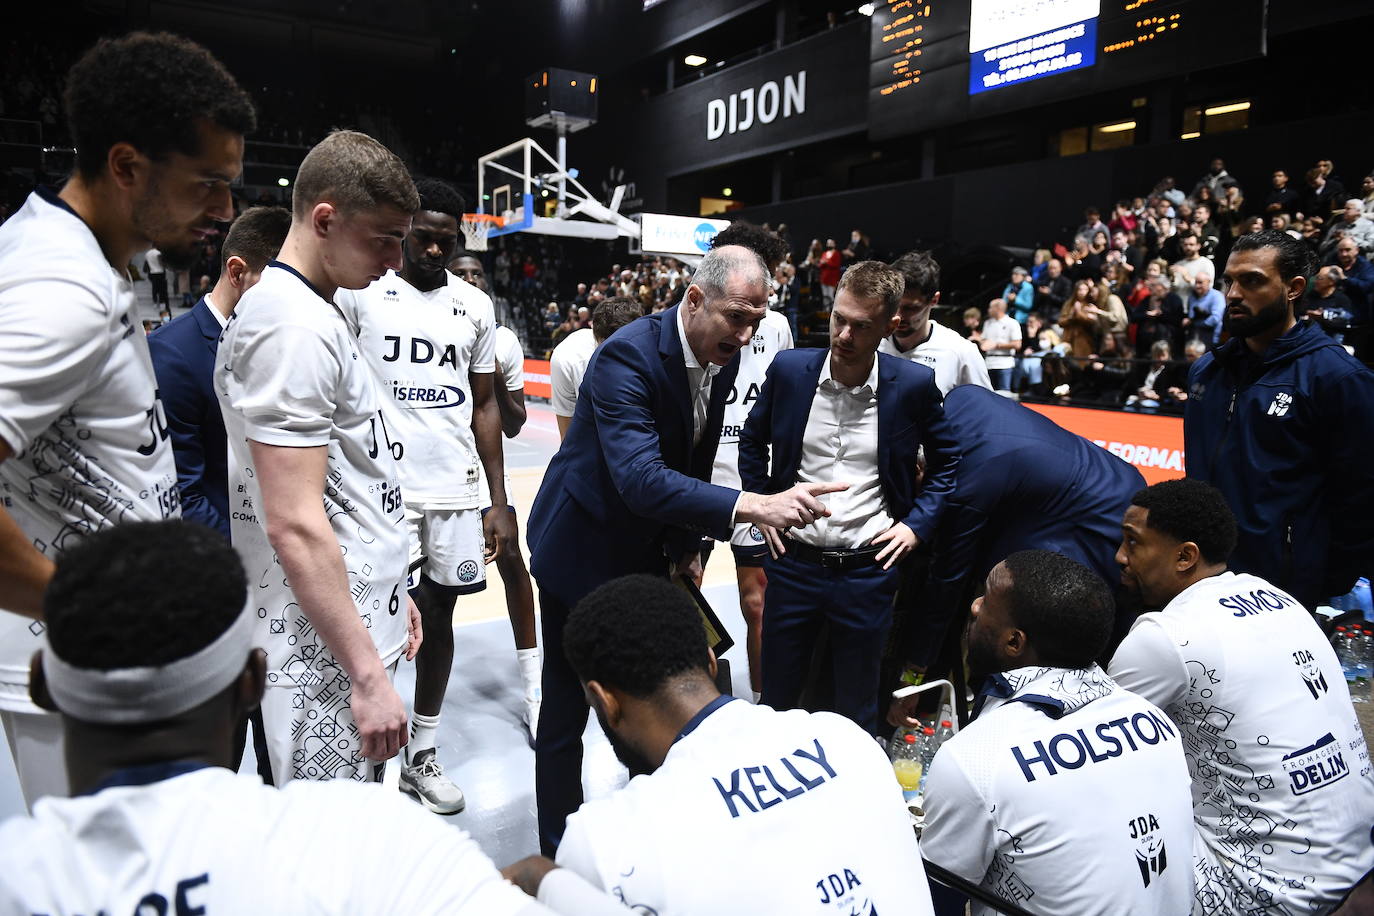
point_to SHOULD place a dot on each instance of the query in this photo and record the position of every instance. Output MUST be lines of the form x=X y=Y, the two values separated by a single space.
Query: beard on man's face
x=634 y=761
x=150 y=221
x=1266 y=318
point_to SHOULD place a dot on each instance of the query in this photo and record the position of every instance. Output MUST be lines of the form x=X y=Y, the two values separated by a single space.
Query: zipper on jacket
x=1226 y=428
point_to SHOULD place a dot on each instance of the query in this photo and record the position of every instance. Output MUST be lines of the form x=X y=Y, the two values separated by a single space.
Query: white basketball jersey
x=772 y=337
x=956 y=361
x=421 y=346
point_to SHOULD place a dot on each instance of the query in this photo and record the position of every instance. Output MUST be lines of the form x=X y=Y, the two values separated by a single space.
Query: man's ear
x=323 y=217
x=235 y=267
x=1016 y=643
x=38 y=684
x=712 y=667
x=606 y=701
x=126 y=165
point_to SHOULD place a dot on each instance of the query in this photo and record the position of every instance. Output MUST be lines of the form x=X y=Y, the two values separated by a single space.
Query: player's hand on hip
x=773 y=538
x=899 y=540
x=381 y=718
x=499 y=532
x=415 y=631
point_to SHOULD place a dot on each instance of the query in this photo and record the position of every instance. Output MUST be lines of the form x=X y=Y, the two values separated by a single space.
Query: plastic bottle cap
x=946 y=724
x=910 y=739
x=928 y=730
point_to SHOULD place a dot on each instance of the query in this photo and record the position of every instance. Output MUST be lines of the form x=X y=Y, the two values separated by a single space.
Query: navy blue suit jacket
x=627 y=486
x=910 y=414
x=1024 y=483
x=183 y=353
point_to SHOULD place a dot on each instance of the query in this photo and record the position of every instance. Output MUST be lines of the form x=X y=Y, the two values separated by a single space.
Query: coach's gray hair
x=720 y=264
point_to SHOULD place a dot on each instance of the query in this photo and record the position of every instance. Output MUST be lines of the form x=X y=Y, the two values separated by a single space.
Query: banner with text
x=1154 y=444
x=537 y=378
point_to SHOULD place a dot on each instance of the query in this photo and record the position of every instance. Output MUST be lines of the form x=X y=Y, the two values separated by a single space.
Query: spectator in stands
x=1078 y=320
x=789 y=294
x=1124 y=251
x=1112 y=318
x=1039 y=259
x=1092 y=224
x=1206 y=230
x=1185 y=270
x=973 y=324
x=1206 y=311
x=1253 y=224
x=997 y=802
x=1323 y=196
x=1282 y=198
x=1157 y=384
x=1160 y=317
x=1215 y=181
x=1356 y=279
x=1367 y=189
x=1350 y=224
x=1052 y=290
x=581 y=297
x=1101 y=376
x=858 y=248
x=1282 y=423
x=1019 y=295
x=552 y=318
x=1123 y=218
x=831 y=266
x=1169 y=244
x=1001 y=339
x=1326 y=304
x=1084 y=263
x=1166 y=190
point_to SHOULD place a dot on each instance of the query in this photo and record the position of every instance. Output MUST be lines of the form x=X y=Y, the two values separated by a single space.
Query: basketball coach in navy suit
x=628 y=491
x=845 y=415
x=183 y=354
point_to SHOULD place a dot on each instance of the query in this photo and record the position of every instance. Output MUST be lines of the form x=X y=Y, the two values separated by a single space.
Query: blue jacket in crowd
x=1287 y=436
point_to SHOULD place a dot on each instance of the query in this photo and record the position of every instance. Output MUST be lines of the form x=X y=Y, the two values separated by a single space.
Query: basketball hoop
x=477 y=228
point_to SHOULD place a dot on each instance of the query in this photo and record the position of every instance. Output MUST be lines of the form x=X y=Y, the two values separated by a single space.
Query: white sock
x=424 y=733
x=529 y=670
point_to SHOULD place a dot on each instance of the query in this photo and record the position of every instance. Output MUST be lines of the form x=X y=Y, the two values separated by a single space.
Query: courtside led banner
x=1154 y=444
x=537 y=378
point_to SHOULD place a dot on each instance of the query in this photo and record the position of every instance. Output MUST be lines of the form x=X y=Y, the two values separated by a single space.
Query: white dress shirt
x=214 y=310
x=699 y=380
x=840 y=444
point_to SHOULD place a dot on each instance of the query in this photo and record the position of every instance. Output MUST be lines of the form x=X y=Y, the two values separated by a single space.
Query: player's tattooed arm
x=24 y=572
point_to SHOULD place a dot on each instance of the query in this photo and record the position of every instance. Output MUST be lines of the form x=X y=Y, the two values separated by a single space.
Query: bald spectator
x=1356 y=279
x=1352 y=223
x=1326 y=304
x=1000 y=340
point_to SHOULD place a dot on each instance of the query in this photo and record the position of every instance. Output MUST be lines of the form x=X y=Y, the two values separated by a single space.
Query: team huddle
x=254 y=514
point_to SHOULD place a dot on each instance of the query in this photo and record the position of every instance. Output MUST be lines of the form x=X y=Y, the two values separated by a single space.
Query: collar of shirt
x=701 y=715
x=219 y=316
x=147 y=774
x=1054 y=691
x=827 y=383
x=688 y=357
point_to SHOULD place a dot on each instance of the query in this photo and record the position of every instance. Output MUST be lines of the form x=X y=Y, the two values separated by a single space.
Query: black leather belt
x=831 y=558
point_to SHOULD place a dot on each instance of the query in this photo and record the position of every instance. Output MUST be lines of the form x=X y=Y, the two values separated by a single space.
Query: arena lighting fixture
x=284 y=182
x=727 y=191
x=1117 y=128
x=1190 y=135
x=694 y=60
x=866 y=9
x=1227 y=109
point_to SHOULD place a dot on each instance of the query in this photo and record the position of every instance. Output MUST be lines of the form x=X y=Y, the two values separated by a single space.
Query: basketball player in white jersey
x=429 y=339
x=153 y=668
x=773 y=336
x=320 y=522
x=509 y=391
x=955 y=360
x=568 y=364
x=83 y=438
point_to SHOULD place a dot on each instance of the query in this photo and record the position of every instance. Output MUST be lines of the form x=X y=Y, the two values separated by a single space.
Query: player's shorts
x=746 y=543
x=309 y=727
x=452 y=544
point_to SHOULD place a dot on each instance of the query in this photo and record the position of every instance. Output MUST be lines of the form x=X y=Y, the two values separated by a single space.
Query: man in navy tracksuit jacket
x=1281 y=420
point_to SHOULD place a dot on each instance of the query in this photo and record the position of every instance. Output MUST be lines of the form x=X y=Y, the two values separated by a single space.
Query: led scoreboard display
x=936 y=62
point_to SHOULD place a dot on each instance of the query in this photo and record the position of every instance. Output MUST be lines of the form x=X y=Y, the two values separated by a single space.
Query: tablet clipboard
x=717 y=637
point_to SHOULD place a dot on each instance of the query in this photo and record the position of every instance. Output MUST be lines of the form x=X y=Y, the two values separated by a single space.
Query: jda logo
x=703 y=235
x=1149 y=853
x=1282 y=401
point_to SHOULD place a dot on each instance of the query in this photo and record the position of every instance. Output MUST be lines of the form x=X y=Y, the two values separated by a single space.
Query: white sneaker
x=425 y=780
x=532 y=704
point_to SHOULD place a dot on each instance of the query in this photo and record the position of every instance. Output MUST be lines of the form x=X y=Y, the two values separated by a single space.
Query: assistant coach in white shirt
x=1283 y=791
x=1067 y=795
x=847 y=415
x=732 y=808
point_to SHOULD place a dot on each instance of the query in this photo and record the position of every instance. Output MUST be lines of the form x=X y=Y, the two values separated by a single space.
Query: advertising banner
x=1154 y=444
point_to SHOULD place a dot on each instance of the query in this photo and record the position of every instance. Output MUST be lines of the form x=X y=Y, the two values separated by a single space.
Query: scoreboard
x=935 y=62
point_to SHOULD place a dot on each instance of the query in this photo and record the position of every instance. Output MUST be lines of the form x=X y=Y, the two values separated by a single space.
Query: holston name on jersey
x=804 y=777
x=1071 y=750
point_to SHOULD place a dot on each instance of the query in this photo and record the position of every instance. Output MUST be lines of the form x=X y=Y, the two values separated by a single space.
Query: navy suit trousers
x=858 y=605
x=562 y=719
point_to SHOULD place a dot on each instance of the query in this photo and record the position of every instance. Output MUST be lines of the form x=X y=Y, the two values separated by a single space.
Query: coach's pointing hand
x=793 y=508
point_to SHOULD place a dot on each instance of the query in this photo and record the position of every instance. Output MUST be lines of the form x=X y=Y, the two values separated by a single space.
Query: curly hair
x=149 y=90
x=765 y=243
x=142 y=594
x=1065 y=608
x=440 y=197
x=1190 y=510
x=636 y=633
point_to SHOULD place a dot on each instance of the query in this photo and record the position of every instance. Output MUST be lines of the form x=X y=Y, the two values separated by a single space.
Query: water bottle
x=1363 y=644
x=929 y=746
x=1338 y=642
x=1349 y=654
x=944 y=733
x=906 y=764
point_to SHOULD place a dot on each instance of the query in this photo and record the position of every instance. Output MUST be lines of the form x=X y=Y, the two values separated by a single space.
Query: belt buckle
x=830 y=560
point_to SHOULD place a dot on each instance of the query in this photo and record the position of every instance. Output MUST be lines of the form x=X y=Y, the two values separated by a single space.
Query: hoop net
x=477 y=228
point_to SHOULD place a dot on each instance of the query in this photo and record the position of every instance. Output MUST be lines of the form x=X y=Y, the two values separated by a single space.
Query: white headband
x=131 y=696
